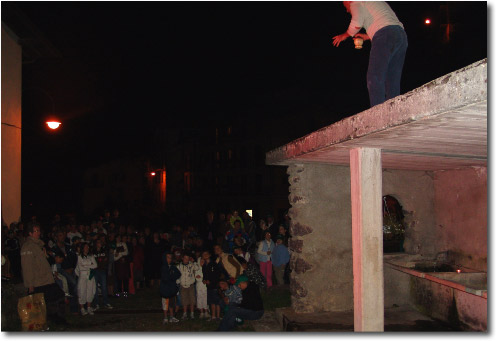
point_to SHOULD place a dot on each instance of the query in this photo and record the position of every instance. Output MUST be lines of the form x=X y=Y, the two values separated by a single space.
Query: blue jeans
x=386 y=60
x=101 y=278
x=229 y=321
x=72 y=284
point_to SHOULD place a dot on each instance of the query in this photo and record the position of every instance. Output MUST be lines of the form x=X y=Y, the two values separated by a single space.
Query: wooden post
x=366 y=210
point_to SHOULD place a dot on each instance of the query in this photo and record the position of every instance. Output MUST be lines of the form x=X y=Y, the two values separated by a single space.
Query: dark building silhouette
x=221 y=167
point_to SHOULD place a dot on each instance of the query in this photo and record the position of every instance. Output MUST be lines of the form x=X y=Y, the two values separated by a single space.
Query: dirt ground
x=142 y=312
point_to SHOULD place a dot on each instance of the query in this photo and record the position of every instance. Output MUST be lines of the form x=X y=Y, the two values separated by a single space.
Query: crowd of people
x=215 y=270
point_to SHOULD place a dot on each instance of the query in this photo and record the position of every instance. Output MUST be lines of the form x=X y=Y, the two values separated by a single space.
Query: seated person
x=59 y=279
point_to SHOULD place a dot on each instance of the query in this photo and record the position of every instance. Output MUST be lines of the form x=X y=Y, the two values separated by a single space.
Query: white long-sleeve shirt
x=371 y=15
x=84 y=265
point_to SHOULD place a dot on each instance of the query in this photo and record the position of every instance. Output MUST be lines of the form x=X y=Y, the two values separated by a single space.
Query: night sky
x=127 y=68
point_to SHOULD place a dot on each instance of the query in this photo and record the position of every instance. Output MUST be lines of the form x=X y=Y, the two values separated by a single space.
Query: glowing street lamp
x=427 y=21
x=53 y=124
x=152 y=173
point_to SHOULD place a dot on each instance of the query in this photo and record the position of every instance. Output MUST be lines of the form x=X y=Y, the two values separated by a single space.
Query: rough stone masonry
x=321 y=259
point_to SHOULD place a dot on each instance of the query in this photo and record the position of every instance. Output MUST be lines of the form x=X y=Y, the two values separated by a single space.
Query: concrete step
x=402 y=318
x=268 y=323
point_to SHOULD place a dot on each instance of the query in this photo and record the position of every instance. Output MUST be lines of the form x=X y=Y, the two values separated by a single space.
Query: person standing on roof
x=389 y=44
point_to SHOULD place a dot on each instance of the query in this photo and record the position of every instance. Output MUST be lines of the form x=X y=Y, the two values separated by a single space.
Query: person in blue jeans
x=102 y=257
x=250 y=308
x=389 y=44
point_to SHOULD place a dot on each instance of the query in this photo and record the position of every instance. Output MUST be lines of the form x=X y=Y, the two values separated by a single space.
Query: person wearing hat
x=250 y=308
x=280 y=257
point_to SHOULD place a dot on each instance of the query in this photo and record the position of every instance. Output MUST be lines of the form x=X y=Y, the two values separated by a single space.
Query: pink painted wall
x=461 y=216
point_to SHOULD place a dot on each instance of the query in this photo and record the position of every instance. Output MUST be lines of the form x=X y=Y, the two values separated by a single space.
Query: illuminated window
x=229 y=130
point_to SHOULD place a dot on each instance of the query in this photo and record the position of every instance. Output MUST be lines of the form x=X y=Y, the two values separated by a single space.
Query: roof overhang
x=441 y=125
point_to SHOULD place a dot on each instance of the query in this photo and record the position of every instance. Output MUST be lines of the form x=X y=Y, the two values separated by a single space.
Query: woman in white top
x=264 y=258
x=86 y=286
x=201 y=288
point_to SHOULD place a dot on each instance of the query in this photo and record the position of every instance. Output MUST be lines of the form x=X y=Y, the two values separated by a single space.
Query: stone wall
x=321 y=258
x=452 y=218
x=461 y=211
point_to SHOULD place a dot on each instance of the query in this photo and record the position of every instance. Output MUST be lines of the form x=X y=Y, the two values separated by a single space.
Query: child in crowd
x=201 y=289
x=187 y=283
x=211 y=276
x=168 y=287
x=59 y=279
x=232 y=294
x=280 y=257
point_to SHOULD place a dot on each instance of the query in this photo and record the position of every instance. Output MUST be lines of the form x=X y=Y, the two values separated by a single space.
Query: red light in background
x=427 y=21
x=152 y=173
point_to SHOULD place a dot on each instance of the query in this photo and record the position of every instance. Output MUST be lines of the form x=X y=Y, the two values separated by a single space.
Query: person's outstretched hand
x=339 y=38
